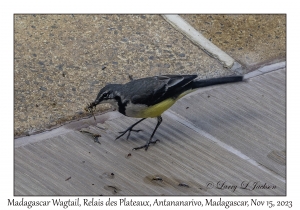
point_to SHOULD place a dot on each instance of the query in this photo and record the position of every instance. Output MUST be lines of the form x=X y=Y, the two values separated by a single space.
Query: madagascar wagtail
x=151 y=96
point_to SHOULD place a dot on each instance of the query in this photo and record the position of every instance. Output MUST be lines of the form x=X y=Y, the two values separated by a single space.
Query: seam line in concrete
x=225 y=146
x=265 y=69
x=63 y=129
x=35 y=137
x=258 y=72
x=197 y=38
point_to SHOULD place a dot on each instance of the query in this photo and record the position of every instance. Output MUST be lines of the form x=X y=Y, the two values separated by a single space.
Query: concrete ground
x=223 y=140
x=62 y=61
x=252 y=40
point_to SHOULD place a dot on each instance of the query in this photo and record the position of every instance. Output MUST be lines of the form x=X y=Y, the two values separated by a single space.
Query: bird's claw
x=128 y=130
x=146 y=145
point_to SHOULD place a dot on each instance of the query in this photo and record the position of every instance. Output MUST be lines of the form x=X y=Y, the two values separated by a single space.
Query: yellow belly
x=157 y=109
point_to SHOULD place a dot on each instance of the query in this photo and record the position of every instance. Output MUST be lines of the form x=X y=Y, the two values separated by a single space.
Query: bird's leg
x=159 y=120
x=130 y=129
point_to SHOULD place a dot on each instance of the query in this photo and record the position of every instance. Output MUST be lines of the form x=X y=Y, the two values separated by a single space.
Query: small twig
x=130 y=77
x=112 y=187
x=94 y=135
x=157 y=179
x=68 y=178
x=183 y=185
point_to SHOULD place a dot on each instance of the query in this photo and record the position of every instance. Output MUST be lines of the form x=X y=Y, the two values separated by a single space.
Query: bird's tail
x=216 y=81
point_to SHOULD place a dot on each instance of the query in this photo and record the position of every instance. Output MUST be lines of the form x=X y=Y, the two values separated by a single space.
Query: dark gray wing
x=152 y=90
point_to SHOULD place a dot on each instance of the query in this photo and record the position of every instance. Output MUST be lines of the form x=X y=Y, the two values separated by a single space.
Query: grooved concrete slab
x=226 y=140
x=250 y=118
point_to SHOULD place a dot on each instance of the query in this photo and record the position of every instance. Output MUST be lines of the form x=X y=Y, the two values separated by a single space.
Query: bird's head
x=107 y=94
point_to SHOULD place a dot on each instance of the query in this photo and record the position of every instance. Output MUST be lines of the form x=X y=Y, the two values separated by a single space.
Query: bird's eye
x=105 y=95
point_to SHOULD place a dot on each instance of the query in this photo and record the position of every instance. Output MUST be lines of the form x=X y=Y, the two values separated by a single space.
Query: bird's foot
x=146 y=145
x=127 y=130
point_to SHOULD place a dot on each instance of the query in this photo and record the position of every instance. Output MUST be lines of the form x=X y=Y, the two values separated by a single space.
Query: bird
x=149 y=97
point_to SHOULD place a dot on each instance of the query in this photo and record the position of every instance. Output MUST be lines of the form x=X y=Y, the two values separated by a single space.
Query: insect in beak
x=91 y=108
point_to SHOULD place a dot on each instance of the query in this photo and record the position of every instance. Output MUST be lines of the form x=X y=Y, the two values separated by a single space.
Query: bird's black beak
x=97 y=101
